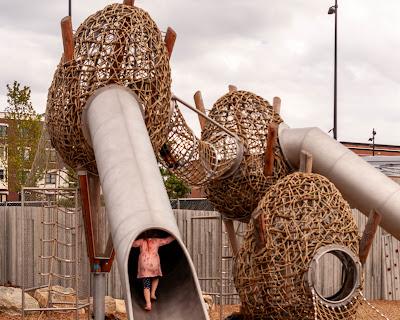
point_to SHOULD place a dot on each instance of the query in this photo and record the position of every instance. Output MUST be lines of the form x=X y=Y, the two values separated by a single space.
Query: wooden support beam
x=129 y=2
x=170 y=38
x=68 y=38
x=98 y=222
x=86 y=213
x=368 y=235
x=198 y=101
x=305 y=162
x=259 y=229
x=230 y=229
x=232 y=88
x=272 y=139
x=276 y=105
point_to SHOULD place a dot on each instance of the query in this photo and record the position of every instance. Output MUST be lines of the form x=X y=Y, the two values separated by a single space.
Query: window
x=27 y=152
x=2 y=174
x=3 y=153
x=50 y=178
x=3 y=129
x=52 y=155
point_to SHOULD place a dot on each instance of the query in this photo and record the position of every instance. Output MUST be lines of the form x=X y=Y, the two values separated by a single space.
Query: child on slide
x=149 y=268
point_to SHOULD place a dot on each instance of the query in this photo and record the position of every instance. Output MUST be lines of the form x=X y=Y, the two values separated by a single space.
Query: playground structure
x=110 y=113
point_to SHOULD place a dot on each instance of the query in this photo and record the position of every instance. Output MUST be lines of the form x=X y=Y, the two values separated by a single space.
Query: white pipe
x=363 y=186
x=136 y=199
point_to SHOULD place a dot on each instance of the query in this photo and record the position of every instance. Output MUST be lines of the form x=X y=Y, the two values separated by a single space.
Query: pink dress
x=149 y=260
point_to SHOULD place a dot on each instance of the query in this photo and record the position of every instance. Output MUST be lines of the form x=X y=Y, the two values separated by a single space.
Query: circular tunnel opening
x=334 y=275
x=176 y=294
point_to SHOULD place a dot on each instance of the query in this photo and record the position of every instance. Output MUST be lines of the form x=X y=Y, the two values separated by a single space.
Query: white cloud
x=273 y=48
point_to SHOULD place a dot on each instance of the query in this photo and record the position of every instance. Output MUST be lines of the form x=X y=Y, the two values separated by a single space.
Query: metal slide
x=363 y=186
x=136 y=200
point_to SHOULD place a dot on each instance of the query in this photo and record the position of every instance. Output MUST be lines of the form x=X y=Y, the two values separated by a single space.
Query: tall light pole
x=373 y=141
x=69 y=8
x=333 y=10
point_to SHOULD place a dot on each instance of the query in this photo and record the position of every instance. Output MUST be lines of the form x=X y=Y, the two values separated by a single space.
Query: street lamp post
x=69 y=8
x=373 y=141
x=333 y=10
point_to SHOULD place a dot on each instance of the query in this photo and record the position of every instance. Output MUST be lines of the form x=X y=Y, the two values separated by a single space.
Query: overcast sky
x=272 y=48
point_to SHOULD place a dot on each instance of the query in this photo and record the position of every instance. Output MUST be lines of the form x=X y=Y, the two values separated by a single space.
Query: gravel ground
x=390 y=308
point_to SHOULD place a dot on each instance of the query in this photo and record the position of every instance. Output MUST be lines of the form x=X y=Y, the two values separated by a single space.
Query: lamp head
x=332 y=10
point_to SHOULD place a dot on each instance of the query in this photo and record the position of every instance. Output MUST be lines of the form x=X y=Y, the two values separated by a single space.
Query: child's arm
x=137 y=243
x=164 y=241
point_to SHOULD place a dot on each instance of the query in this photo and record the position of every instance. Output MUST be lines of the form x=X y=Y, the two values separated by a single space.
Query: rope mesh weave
x=121 y=45
x=300 y=214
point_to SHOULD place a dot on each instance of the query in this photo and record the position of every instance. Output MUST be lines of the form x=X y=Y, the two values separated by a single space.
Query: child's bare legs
x=146 y=293
x=154 y=285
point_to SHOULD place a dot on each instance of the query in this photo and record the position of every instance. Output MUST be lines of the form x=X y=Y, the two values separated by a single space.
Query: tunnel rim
x=352 y=281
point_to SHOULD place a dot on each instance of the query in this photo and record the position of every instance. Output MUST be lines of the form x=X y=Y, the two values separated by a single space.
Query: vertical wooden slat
x=68 y=38
x=272 y=140
x=170 y=38
x=276 y=105
x=368 y=235
x=198 y=101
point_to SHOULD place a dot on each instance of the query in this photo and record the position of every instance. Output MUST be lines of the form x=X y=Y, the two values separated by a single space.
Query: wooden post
x=276 y=105
x=98 y=224
x=272 y=139
x=169 y=40
x=305 y=162
x=230 y=229
x=198 y=101
x=68 y=38
x=86 y=213
x=232 y=88
x=129 y=2
x=259 y=229
x=368 y=235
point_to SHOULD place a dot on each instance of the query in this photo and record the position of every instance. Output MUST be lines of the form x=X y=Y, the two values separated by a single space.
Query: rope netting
x=248 y=116
x=298 y=215
x=357 y=309
x=121 y=45
x=193 y=160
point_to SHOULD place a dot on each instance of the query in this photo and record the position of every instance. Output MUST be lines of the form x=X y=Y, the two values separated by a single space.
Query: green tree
x=176 y=188
x=23 y=134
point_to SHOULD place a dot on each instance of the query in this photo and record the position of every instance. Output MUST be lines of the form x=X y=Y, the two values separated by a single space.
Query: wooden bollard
x=198 y=101
x=259 y=227
x=368 y=235
x=170 y=38
x=232 y=88
x=129 y=2
x=230 y=229
x=305 y=162
x=272 y=140
x=276 y=105
x=68 y=38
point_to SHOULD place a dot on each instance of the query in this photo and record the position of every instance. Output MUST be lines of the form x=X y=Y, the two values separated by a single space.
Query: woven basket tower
x=300 y=214
x=248 y=116
x=121 y=45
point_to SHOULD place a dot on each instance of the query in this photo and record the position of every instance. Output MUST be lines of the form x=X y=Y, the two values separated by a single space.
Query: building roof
x=389 y=165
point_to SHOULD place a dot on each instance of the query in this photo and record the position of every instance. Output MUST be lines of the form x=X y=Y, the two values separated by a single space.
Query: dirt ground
x=391 y=309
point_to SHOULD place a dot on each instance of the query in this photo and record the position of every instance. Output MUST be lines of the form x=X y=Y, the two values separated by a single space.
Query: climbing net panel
x=358 y=309
x=193 y=160
x=248 y=116
x=300 y=214
x=121 y=45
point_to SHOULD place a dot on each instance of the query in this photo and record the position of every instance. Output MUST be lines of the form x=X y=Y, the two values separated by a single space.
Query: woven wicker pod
x=122 y=45
x=248 y=116
x=300 y=214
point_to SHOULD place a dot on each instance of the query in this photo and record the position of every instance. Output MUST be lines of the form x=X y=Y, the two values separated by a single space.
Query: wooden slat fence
x=201 y=232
